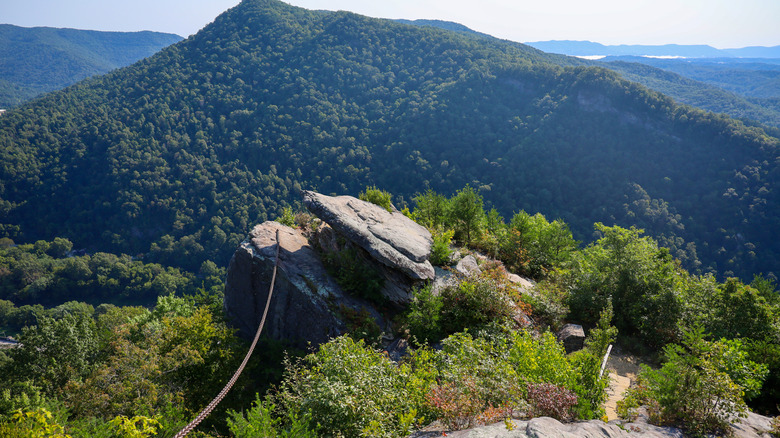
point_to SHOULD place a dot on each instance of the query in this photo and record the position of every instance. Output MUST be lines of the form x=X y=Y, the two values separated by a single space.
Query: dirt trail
x=623 y=369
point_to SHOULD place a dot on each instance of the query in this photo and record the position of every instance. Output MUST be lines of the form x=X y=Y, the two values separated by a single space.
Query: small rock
x=468 y=266
x=397 y=349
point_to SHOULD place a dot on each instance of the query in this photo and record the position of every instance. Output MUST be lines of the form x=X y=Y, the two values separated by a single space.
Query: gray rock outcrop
x=572 y=336
x=754 y=426
x=389 y=237
x=307 y=304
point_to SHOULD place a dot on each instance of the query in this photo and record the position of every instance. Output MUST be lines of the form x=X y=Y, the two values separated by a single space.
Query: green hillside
x=42 y=59
x=175 y=157
x=740 y=88
x=705 y=90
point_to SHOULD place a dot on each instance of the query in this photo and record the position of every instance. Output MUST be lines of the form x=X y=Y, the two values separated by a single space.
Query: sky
x=719 y=23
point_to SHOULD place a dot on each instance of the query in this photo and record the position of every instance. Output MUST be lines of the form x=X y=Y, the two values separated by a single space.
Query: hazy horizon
x=719 y=24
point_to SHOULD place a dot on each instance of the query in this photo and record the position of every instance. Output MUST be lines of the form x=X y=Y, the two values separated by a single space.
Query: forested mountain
x=42 y=59
x=709 y=94
x=743 y=89
x=176 y=156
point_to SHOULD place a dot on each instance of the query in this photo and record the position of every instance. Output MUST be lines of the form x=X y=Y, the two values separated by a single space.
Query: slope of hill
x=710 y=95
x=178 y=155
x=752 y=78
x=734 y=86
x=42 y=59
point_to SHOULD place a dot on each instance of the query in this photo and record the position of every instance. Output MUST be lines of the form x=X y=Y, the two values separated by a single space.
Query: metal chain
x=205 y=412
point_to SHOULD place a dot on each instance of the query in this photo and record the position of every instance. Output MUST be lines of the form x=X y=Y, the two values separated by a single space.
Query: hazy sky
x=719 y=23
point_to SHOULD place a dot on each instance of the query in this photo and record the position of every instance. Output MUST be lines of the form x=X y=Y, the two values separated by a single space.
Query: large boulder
x=307 y=304
x=389 y=237
x=572 y=336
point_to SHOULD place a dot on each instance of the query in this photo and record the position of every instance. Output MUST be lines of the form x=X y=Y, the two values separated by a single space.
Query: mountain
x=715 y=92
x=177 y=156
x=588 y=48
x=742 y=88
x=42 y=59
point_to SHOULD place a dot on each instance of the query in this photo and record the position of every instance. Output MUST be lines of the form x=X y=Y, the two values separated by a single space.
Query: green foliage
x=376 y=196
x=542 y=360
x=164 y=365
x=590 y=386
x=636 y=275
x=466 y=215
x=176 y=157
x=136 y=427
x=533 y=246
x=30 y=275
x=431 y=209
x=361 y=325
x=260 y=421
x=732 y=88
x=459 y=406
x=691 y=390
x=32 y=424
x=56 y=352
x=549 y=303
x=287 y=217
x=440 y=250
x=766 y=353
x=354 y=274
x=472 y=303
x=349 y=390
x=423 y=317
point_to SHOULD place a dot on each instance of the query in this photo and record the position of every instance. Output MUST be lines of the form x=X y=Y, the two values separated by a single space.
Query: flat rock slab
x=544 y=427
x=389 y=237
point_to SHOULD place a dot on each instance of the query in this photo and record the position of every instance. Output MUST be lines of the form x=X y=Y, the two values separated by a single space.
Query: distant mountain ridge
x=41 y=59
x=589 y=48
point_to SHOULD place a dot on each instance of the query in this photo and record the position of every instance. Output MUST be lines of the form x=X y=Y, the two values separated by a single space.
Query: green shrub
x=542 y=360
x=440 y=250
x=590 y=387
x=287 y=217
x=361 y=325
x=261 y=421
x=463 y=356
x=381 y=198
x=549 y=303
x=422 y=320
x=350 y=390
x=473 y=303
x=690 y=390
x=430 y=209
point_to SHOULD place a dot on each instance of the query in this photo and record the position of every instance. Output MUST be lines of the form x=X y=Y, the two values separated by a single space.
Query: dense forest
x=37 y=60
x=174 y=158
